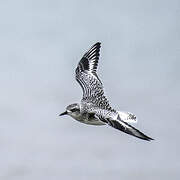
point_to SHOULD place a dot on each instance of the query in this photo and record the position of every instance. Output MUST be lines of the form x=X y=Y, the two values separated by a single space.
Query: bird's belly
x=88 y=120
x=93 y=122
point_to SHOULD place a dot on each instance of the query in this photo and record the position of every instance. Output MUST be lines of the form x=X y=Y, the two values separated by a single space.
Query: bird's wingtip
x=146 y=138
x=98 y=43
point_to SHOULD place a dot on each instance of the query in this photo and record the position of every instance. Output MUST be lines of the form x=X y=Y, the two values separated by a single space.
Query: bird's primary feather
x=86 y=75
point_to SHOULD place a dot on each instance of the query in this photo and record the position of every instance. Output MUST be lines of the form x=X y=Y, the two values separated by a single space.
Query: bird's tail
x=127 y=128
x=127 y=117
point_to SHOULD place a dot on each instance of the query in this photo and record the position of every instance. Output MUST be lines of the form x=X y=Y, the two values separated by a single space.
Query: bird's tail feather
x=127 y=117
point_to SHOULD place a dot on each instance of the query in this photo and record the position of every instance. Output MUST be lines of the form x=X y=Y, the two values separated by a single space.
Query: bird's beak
x=64 y=113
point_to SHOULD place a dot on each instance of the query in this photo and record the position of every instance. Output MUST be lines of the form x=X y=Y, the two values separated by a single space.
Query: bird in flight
x=94 y=108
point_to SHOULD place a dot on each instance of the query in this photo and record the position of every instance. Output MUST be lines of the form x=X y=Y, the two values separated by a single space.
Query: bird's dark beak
x=64 y=113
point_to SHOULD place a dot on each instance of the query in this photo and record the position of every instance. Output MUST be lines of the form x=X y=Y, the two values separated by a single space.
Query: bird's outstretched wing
x=124 y=127
x=86 y=76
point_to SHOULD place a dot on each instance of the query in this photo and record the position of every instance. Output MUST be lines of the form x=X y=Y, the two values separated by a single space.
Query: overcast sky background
x=41 y=42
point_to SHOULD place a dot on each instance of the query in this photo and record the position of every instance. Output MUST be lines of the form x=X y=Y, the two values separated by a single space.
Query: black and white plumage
x=94 y=108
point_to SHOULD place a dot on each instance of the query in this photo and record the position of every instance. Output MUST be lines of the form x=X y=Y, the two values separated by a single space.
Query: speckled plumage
x=94 y=108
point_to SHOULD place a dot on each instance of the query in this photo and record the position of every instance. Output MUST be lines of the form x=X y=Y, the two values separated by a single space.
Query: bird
x=94 y=108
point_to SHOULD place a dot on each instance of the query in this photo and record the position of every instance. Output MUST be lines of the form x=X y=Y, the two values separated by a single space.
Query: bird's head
x=72 y=110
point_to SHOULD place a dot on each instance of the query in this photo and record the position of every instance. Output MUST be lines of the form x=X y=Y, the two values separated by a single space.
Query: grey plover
x=94 y=108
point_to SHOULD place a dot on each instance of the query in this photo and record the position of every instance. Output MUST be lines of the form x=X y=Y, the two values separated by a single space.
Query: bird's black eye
x=74 y=110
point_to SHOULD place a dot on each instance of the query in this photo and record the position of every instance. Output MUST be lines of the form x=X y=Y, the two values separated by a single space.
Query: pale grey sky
x=41 y=43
